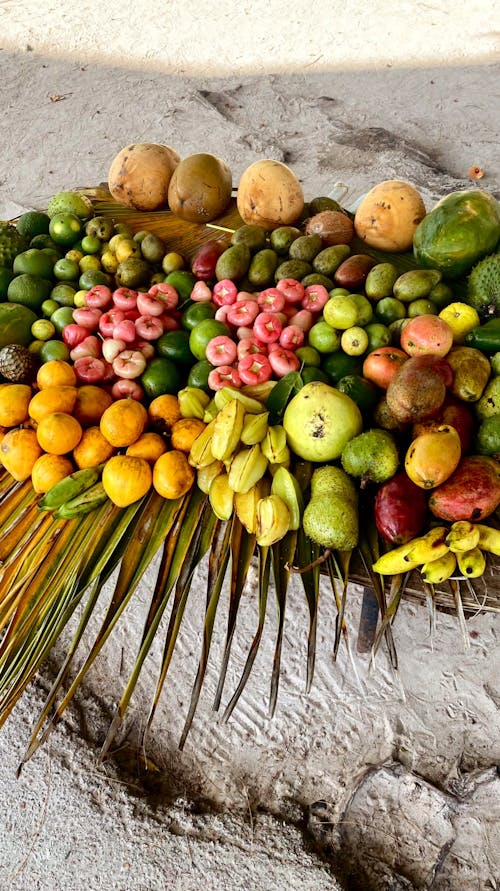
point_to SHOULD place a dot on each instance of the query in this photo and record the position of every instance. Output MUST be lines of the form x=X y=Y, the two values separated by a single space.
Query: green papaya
x=462 y=228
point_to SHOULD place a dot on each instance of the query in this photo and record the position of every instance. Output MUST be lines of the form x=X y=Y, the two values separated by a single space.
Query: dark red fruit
x=400 y=509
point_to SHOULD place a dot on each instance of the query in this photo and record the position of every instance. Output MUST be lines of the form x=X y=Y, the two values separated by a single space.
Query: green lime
x=341 y=312
x=337 y=365
x=202 y=334
x=61 y=317
x=53 y=349
x=43 y=241
x=65 y=228
x=161 y=377
x=389 y=309
x=378 y=336
x=441 y=295
x=70 y=202
x=174 y=345
x=29 y=290
x=34 y=262
x=312 y=373
x=63 y=294
x=339 y=292
x=422 y=307
x=308 y=355
x=6 y=276
x=48 y=307
x=32 y=223
x=196 y=313
x=93 y=277
x=324 y=338
x=183 y=282
x=362 y=391
x=91 y=244
x=198 y=375
x=365 y=309
x=66 y=270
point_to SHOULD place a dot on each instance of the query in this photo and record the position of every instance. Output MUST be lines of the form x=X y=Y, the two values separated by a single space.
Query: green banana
x=246 y=469
x=273 y=520
x=88 y=501
x=471 y=563
x=228 y=426
x=286 y=486
x=489 y=539
x=70 y=487
x=437 y=571
x=462 y=536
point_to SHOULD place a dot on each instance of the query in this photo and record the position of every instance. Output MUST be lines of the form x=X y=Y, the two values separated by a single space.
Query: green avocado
x=462 y=227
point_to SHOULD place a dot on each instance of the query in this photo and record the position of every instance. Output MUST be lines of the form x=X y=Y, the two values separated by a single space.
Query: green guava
x=319 y=421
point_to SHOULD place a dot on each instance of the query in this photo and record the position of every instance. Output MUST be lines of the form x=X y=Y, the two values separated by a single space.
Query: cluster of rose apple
x=112 y=336
x=268 y=328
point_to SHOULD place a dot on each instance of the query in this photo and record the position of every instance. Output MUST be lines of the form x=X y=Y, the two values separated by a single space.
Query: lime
x=174 y=345
x=341 y=312
x=29 y=290
x=202 y=334
x=91 y=244
x=48 y=307
x=93 y=277
x=6 y=277
x=43 y=329
x=63 y=294
x=65 y=228
x=53 y=349
x=324 y=338
x=61 y=317
x=339 y=292
x=43 y=241
x=378 y=336
x=461 y=318
x=441 y=295
x=362 y=391
x=337 y=365
x=312 y=373
x=70 y=202
x=389 y=309
x=66 y=270
x=198 y=375
x=422 y=307
x=161 y=377
x=365 y=309
x=34 y=262
x=32 y=223
x=183 y=282
x=308 y=355
x=196 y=313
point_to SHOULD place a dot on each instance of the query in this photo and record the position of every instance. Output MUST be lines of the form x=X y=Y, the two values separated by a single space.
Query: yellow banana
x=228 y=426
x=245 y=503
x=413 y=553
x=70 y=487
x=273 y=520
x=439 y=570
x=254 y=428
x=462 y=536
x=489 y=539
x=247 y=467
x=206 y=475
x=221 y=497
x=201 y=454
x=471 y=563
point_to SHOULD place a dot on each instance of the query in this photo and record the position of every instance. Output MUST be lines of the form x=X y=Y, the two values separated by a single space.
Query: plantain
x=273 y=520
x=84 y=503
x=463 y=536
x=489 y=539
x=471 y=563
x=70 y=487
x=437 y=571
x=228 y=426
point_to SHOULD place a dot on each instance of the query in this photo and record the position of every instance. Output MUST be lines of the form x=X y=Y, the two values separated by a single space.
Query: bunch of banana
x=77 y=494
x=443 y=551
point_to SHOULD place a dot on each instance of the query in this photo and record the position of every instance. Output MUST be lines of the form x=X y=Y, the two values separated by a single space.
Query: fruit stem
x=300 y=569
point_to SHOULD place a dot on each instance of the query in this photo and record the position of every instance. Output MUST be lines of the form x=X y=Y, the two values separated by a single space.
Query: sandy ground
x=341 y=96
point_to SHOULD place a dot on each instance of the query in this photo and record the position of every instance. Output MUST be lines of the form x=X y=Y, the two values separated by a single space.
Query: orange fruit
x=149 y=446
x=49 y=470
x=19 y=450
x=184 y=433
x=93 y=449
x=163 y=412
x=123 y=422
x=91 y=402
x=126 y=479
x=173 y=477
x=50 y=400
x=14 y=402
x=56 y=373
x=58 y=433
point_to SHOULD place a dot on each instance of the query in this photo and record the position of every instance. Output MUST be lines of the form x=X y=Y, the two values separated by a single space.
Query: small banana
x=85 y=503
x=471 y=563
x=226 y=394
x=462 y=536
x=396 y=560
x=273 y=443
x=254 y=428
x=70 y=487
x=245 y=503
x=413 y=553
x=286 y=486
x=193 y=402
x=228 y=426
x=489 y=539
x=221 y=497
x=439 y=570
x=247 y=467
x=206 y=475
x=201 y=454
x=273 y=520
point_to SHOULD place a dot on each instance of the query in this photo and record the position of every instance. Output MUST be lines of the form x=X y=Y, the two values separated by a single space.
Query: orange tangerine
x=91 y=403
x=50 y=400
x=163 y=412
x=173 y=477
x=19 y=450
x=126 y=479
x=93 y=449
x=149 y=446
x=123 y=422
x=56 y=373
x=49 y=470
x=184 y=433
x=14 y=402
x=58 y=433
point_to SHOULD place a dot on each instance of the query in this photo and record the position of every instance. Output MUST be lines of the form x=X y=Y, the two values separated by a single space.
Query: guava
x=319 y=421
